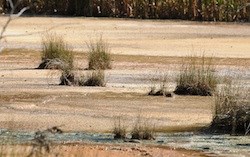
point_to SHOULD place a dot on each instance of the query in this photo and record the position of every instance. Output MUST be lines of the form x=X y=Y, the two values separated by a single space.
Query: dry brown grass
x=119 y=129
x=143 y=130
x=232 y=110
x=94 y=78
x=55 y=53
x=197 y=77
x=99 y=56
x=216 y=10
x=68 y=78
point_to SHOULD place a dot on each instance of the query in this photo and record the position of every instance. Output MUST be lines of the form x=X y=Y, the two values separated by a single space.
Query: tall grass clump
x=119 y=129
x=142 y=130
x=232 y=110
x=99 y=56
x=197 y=77
x=205 y=10
x=55 y=53
x=94 y=78
x=68 y=78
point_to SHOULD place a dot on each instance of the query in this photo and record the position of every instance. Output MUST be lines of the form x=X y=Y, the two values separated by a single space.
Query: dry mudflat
x=144 y=51
x=136 y=37
x=32 y=100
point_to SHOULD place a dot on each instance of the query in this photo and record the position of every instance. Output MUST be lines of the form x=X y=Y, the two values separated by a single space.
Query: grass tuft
x=99 y=56
x=142 y=130
x=232 y=110
x=55 y=53
x=68 y=78
x=119 y=129
x=95 y=78
x=197 y=77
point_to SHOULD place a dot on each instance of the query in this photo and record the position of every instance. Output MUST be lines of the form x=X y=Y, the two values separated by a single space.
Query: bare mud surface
x=32 y=100
x=145 y=52
x=143 y=37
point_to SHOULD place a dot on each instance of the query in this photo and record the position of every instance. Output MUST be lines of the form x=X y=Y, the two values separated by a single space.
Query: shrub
x=55 y=53
x=68 y=78
x=99 y=57
x=232 y=110
x=197 y=77
x=142 y=130
x=95 y=78
x=119 y=130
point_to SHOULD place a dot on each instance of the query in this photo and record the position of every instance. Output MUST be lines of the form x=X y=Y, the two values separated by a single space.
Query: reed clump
x=197 y=77
x=99 y=56
x=142 y=130
x=92 y=78
x=206 y=10
x=119 y=129
x=55 y=53
x=232 y=110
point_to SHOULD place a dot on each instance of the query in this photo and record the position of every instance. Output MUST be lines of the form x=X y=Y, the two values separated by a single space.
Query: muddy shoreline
x=202 y=144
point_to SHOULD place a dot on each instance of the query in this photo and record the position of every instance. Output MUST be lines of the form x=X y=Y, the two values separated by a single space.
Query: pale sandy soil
x=144 y=37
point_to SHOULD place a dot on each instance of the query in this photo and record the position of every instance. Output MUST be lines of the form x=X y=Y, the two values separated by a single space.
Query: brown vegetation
x=209 y=10
x=55 y=53
x=142 y=130
x=119 y=129
x=99 y=57
x=95 y=78
x=232 y=110
x=197 y=77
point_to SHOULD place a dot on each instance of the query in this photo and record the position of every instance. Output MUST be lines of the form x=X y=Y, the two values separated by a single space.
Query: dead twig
x=12 y=16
